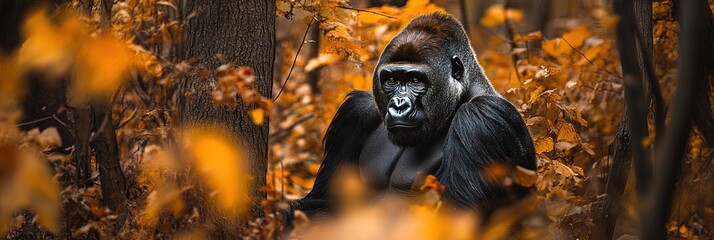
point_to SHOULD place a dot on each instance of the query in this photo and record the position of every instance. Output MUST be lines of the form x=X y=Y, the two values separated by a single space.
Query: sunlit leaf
x=321 y=60
x=221 y=164
x=577 y=36
x=50 y=46
x=258 y=116
x=102 y=65
x=495 y=15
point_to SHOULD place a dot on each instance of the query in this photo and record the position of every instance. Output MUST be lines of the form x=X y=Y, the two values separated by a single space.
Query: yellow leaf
x=29 y=186
x=535 y=94
x=370 y=18
x=323 y=60
x=496 y=15
x=577 y=36
x=258 y=116
x=102 y=64
x=575 y=114
x=529 y=37
x=593 y=52
x=220 y=163
x=566 y=132
x=50 y=46
x=556 y=47
x=544 y=145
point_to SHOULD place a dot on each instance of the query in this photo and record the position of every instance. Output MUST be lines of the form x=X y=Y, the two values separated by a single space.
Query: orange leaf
x=524 y=177
x=535 y=94
x=496 y=15
x=543 y=145
x=323 y=60
x=577 y=36
x=258 y=116
x=221 y=165
x=566 y=132
x=556 y=47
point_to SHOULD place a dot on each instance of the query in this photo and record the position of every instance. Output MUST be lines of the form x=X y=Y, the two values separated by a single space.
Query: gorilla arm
x=344 y=139
x=485 y=131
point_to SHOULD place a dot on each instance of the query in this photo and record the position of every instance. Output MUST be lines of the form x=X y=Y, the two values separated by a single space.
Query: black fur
x=432 y=111
x=486 y=130
x=343 y=141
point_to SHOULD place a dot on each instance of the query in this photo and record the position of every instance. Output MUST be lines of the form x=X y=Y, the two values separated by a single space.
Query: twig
x=590 y=61
x=509 y=34
x=493 y=33
x=286 y=130
x=62 y=123
x=304 y=36
x=125 y=121
x=369 y=11
x=35 y=121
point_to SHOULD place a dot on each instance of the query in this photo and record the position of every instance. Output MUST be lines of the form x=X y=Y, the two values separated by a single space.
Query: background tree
x=243 y=32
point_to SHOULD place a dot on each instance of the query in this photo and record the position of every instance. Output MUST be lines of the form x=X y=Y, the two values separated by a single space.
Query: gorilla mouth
x=401 y=125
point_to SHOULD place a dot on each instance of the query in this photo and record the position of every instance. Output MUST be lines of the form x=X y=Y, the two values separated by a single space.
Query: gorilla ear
x=457 y=68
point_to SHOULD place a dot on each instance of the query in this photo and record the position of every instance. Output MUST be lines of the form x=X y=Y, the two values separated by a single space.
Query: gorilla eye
x=415 y=80
x=391 y=80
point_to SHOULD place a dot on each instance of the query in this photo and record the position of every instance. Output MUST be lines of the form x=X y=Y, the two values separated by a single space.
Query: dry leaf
x=543 y=145
x=258 y=116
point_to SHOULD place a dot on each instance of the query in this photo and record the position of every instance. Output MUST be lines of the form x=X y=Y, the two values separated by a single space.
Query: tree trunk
x=691 y=80
x=641 y=90
x=244 y=32
x=105 y=147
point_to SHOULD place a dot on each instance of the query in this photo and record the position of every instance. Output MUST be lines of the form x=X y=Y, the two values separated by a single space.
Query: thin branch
x=487 y=30
x=35 y=121
x=304 y=36
x=509 y=34
x=63 y=124
x=366 y=10
x=590 y=61
x=125 y=121
x=287 y=130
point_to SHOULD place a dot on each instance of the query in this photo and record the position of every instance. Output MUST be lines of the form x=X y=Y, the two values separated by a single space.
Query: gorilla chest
x=384 y=165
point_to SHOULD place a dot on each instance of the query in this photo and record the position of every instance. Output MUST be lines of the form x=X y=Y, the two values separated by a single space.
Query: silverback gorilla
x=431 y=111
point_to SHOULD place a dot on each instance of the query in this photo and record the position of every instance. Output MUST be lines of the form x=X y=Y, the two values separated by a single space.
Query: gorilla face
x=423 y=75
x=418 y=100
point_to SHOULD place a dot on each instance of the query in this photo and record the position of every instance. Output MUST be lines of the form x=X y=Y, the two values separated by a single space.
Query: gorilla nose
x=400 y=107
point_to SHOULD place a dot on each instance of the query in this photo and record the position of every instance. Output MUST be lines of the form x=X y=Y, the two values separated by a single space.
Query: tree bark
x=615 y=183
x=105 y=147
x=104 y=140
x=641 y=91
x=690 y=81
x=244 y=32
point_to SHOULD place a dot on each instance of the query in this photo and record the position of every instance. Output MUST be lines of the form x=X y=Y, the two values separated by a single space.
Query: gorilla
x=432 y=111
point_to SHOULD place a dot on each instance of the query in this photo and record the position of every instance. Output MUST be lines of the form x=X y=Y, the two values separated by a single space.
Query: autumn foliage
x=192 y=180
